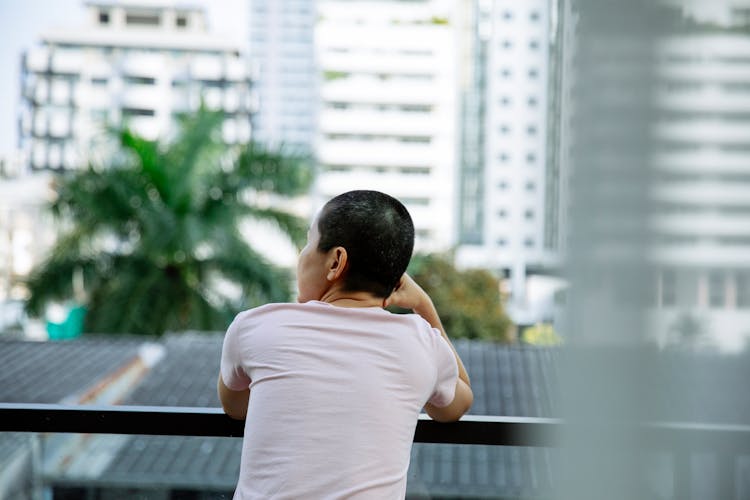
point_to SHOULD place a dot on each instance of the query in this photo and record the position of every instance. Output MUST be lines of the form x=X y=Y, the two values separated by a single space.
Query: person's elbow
x=234 y=403
x=461 y=404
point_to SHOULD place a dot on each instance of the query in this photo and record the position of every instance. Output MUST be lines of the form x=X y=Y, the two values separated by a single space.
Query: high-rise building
x=701 y=208
x=136 y=63
x=509 y=217
x=283 y=52
x=389 y=107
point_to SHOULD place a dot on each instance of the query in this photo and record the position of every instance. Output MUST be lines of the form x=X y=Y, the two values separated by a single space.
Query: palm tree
x=155 y=234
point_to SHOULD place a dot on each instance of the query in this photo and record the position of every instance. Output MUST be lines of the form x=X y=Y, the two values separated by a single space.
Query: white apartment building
x=388 y=117
x=136 y=62
x=516 y=231
x=282 y=50
x=702 y=183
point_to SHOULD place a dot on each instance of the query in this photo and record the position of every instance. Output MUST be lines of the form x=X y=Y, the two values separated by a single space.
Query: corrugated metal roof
x=48 y=372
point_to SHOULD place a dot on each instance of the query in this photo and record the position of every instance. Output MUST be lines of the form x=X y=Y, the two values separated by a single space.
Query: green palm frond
x=155 y=235
x=295 y=227
x=264 y=169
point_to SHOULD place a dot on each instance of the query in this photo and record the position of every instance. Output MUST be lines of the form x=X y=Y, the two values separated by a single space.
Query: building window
x=531 y=130
x=530 y=186
x=532 y=102
x=530 y=158
x=128 y=112
x=139 y=80
x=502 y=242
x=506 y=73
x=528 y=242
x=142 y=19
x=507 y=44
x=422 y=202
x=716 y=290
x=534 y=16
x=534 y=44
x=533 y=73
x=504 y=157
x=528 y=214
x=99 y=82
x=507 y=15
x=502 y=213
x=181 y=21
x=505 y=101
x=415 y=170
x=103 y=17
x=503 y=185
x=504 y=129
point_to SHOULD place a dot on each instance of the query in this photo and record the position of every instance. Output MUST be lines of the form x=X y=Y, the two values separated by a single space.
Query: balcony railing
x=727 y=442
x=183 y=421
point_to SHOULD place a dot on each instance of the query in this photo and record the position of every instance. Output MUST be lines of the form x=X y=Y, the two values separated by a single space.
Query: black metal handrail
x=183 y=421
x=679 y=438
x=471 y=429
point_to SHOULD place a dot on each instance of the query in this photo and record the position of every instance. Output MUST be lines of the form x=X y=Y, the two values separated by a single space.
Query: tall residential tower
x=389 y=113
x=510 y=204
x=283 y=54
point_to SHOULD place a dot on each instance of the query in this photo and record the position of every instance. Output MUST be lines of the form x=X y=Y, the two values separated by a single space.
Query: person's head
x=363 y=239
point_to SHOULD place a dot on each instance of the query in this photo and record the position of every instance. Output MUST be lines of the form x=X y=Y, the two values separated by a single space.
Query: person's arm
x=409 y=295
x=233 y=402
x=233 y=385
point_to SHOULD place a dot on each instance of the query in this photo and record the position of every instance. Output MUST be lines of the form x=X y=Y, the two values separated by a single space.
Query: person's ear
x=337 y=261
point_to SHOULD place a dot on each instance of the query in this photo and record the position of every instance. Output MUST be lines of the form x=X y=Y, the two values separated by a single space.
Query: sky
x=22 y=21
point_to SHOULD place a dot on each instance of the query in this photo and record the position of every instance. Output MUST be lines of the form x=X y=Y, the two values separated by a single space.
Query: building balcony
x=382 y=63
x=88 y=98
x=355 y=152
x=68 y=62
x=702 y=225
x=710 y=99
x=142 y=96
x=37 y=60
x=706 y=160
x=144 y=65
x=373 y=122
x=702 y=71
x=703 y=193
x=700 y=254
x=367 y=90
x=206 y=68
x=705 y=131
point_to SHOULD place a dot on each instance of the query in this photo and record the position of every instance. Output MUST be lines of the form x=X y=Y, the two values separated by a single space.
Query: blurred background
x=578 y=172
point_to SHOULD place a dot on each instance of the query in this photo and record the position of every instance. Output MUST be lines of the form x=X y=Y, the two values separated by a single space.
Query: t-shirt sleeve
x=447 y=373
x=232 y=372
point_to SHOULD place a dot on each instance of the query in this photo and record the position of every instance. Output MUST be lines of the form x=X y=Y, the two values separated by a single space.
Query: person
x=331 y=387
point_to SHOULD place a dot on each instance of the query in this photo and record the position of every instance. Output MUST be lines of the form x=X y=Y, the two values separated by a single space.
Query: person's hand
x=407 y=294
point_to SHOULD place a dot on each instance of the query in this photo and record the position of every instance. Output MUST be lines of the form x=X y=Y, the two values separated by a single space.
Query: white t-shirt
x=334 y=397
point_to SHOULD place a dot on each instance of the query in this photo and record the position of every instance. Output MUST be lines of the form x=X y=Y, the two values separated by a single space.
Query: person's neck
x=342 y=298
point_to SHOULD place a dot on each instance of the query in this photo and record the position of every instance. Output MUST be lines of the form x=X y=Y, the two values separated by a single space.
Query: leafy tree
x=468 y=301
x=542 y=334
x=155 y=234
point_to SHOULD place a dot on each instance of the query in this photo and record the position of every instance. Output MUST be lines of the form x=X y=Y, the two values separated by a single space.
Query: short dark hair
x=378 y=234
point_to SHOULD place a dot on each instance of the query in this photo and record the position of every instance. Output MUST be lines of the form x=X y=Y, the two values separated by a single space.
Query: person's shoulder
x=417 y=323
x=273 y=308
